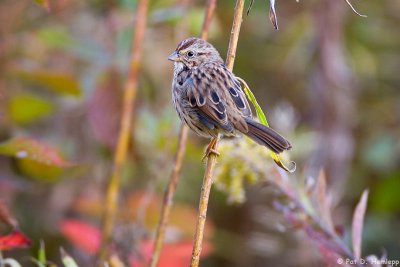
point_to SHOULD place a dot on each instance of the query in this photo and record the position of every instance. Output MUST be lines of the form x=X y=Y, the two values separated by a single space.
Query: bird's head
x=193 y=52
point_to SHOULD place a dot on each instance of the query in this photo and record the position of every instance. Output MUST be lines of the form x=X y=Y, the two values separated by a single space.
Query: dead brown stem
x=237 y=22
x=130 y=89
x=180 y=150
x=168 y=196
x=207 y=18
x=211 y=160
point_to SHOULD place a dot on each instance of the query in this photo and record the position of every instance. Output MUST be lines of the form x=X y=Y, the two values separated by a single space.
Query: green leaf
x=27 y=148
x=263 y=120
x=39 y=171
x=67 y=260
x=26 y=108
x=58 y=82
x=42 y=254
x=35 y=159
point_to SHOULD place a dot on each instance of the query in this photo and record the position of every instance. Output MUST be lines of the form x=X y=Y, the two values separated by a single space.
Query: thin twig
x=211 y=160
x=130 y=89
x=180 y=151
x=207 y=18
x=168 y=197
x=237 y=22
x=354 y=10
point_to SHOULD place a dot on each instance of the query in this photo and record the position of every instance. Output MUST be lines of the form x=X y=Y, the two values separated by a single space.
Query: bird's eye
x=190 y=54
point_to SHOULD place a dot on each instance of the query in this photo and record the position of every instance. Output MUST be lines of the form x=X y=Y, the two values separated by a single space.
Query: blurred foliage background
x=328 y=80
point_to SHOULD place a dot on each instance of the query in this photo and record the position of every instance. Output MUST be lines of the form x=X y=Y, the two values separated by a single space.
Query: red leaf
x=81 y=234
x=179 y=254
x=357 y=225
x=27 y=148
x=173 y=254
x=15 y=239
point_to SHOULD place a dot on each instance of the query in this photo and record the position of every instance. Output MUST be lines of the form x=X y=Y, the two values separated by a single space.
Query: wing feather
x=219 y=98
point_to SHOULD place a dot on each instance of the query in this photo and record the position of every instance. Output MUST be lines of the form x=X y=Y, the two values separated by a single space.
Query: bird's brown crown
x=195 y=51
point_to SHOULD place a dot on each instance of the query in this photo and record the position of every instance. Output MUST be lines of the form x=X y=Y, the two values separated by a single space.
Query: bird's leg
x=211 y=148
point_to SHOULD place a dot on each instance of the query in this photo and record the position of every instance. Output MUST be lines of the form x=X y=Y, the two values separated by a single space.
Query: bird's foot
x=211 y=149
x=208 y=153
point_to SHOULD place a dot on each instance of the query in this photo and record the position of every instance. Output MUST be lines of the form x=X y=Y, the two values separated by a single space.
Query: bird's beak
x=174 y=56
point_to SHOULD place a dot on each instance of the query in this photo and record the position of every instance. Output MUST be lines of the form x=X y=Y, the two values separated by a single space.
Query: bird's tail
x=265 y=136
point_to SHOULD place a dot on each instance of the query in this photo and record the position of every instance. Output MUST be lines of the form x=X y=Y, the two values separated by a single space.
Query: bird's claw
x=211 y=149
x=209 y=152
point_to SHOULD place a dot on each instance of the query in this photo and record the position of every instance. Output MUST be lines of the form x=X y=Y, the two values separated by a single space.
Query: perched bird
x=209 y=98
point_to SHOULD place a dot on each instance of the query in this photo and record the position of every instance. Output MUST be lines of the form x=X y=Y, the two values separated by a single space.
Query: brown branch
x=130 y=89
x=180 y=151
x=168 y=197
x=237 y=22
x=211 y=160
x=207 y=18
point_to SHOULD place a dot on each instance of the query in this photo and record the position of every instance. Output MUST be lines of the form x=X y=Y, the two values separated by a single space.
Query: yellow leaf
x=39 y=171
x=26 y=108
x=58 y=82
x=263 y=120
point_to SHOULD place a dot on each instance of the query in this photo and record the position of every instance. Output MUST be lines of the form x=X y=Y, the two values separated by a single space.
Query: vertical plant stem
x=236 y=24
x=207 y=18
x=211 y=160
x=202 y=213
x=180 y=151
x=130 y=89
x=168 y=197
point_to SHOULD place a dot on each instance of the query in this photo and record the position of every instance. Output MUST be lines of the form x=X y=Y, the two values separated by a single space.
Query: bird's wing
x=218 y=96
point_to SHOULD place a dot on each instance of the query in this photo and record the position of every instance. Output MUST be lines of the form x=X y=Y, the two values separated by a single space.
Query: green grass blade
x=263 y=120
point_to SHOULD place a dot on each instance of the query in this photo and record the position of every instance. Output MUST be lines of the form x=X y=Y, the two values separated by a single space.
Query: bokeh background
x=328 y=80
